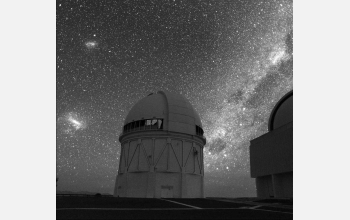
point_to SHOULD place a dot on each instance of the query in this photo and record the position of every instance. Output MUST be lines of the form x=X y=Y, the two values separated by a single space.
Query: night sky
x=233 y=60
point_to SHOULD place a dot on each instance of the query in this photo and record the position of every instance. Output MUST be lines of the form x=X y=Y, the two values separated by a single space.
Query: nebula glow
x=91 y=44
x=70 y=123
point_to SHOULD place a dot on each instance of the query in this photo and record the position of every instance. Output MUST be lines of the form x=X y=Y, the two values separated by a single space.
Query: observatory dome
x=161 y=153
x=282 y=113
x=271 y=154
x=175 y=111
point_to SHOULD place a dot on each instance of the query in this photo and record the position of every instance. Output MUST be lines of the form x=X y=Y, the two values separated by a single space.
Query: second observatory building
x=161 y=149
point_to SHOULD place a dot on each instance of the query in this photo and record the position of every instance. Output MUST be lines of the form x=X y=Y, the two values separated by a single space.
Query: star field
x=233 y=60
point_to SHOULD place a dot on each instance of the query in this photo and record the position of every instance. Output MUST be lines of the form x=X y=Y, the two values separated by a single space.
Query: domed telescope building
x=161 y=149
x=271 y=155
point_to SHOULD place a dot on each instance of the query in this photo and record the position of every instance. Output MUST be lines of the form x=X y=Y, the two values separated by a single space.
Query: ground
x=104 y=207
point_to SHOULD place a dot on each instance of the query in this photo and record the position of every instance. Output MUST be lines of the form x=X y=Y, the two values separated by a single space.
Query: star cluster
x=233 y=60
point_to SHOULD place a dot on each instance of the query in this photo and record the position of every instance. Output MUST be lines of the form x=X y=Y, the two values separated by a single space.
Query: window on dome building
x=199 y=131
x=146 y=124
x=137 y=125
x=160 y=124
x=142 y=125
x=154 y=124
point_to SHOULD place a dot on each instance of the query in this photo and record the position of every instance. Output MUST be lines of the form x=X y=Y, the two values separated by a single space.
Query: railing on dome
x=144 y=124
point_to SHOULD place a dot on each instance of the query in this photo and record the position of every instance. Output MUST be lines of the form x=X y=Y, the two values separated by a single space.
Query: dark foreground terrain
x=102 y=207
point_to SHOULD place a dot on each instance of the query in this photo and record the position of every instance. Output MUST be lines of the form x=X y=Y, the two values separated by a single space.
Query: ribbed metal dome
x=176 y=111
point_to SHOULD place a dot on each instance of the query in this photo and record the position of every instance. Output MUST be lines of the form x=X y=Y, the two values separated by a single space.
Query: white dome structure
x=161 y=150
